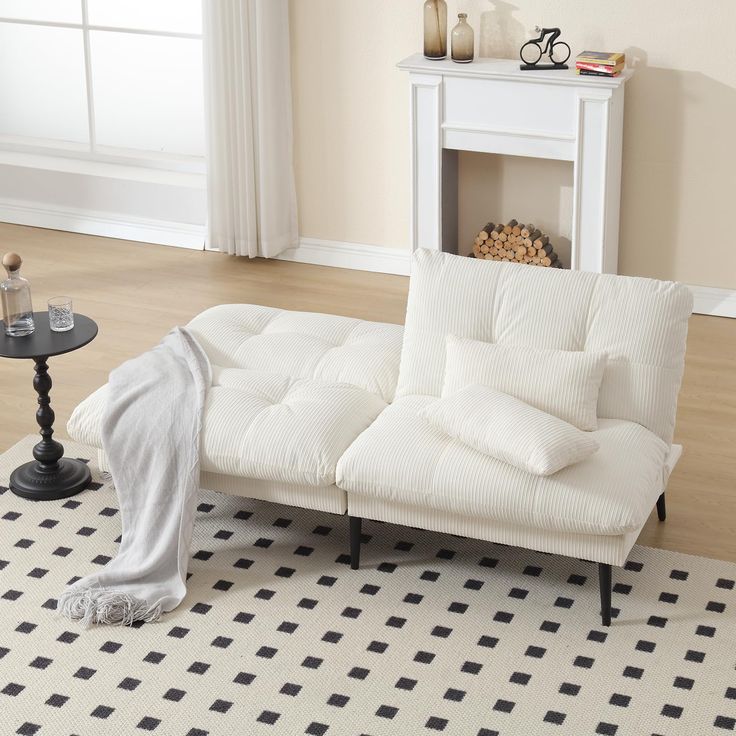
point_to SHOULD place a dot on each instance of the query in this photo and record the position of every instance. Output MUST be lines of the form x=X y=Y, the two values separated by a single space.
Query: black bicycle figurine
x=557 y=51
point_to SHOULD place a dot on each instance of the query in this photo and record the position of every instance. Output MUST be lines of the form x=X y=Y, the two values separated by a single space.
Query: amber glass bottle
x=435 y=29
x=463 y=42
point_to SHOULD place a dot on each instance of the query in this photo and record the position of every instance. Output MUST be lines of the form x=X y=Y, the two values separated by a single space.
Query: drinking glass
x=61 y=315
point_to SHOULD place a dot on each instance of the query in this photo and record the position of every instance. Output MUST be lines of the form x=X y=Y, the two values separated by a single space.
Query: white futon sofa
x=324 y=412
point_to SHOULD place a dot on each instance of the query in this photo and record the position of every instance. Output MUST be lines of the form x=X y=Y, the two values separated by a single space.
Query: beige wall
x=679 y=180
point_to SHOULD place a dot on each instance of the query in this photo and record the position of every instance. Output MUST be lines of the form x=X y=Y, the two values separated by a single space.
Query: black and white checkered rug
x=278 y=636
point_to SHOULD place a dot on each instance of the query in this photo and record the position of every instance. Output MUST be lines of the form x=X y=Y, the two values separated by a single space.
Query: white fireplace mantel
x=491 y=106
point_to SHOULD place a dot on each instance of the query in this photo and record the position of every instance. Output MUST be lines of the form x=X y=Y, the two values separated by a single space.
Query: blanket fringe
x=100 y=606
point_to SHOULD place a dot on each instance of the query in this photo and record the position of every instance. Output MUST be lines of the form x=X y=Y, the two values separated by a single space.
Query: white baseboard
x=708 y=299
x=105 y=224
x=350 y=255
x=713 y=301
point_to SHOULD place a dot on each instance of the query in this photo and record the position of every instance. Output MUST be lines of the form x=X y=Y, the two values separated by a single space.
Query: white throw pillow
x=563 y=383
x=509 y=430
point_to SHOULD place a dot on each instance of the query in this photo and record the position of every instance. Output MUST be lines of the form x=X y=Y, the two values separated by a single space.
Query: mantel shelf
x=508 y=70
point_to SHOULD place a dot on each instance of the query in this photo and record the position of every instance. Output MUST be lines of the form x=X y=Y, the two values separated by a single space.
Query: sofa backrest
x=322 y=347
x=640 y=323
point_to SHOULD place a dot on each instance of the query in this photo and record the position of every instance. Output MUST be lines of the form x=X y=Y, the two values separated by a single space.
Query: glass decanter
x=463 y=43
x=15 y=292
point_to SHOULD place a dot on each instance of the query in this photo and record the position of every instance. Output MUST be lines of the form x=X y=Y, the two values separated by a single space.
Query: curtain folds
x=250 y=177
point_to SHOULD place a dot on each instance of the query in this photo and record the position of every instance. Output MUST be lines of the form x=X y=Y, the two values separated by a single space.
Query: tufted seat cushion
x=293 y=430
x=403 y=459
x=323 y=347
x=290 y=391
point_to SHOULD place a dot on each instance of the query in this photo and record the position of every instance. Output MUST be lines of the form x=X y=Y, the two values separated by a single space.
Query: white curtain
x=250 y=177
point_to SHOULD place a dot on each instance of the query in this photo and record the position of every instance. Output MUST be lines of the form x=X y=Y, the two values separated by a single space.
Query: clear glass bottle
x=15 y=292
x=463 y=42
x=435 y=29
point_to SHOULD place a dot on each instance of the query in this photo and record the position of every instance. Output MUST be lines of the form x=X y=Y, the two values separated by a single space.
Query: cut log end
x=515 y=242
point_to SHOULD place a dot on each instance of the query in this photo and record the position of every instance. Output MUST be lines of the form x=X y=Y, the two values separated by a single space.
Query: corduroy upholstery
x=305 y=406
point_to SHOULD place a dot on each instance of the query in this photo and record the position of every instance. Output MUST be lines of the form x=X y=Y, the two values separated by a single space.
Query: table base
x=31 y=480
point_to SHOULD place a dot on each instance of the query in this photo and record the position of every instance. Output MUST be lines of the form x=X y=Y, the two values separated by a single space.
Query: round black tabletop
x=43 y=343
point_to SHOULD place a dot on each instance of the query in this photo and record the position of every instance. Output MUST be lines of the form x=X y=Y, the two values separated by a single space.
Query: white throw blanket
x=150 y=433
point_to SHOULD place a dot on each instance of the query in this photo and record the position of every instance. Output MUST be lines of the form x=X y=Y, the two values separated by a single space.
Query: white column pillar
x=426 y=161
x=597 y=182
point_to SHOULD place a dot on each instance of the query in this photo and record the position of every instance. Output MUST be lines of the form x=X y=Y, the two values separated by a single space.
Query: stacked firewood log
x=517 y=243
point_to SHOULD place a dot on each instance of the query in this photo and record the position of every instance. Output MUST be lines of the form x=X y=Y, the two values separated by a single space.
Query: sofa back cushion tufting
x=641 y=324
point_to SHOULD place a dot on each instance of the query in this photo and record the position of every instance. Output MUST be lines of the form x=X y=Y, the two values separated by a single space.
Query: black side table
x=50 y=475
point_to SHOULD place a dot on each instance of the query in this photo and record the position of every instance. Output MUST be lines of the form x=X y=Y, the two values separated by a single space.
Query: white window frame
x=92 y=151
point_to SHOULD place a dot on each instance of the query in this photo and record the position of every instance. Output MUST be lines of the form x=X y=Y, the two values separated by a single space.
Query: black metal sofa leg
x=604 y=569
x=355 y=526
x=604 y=578
x=661 y=508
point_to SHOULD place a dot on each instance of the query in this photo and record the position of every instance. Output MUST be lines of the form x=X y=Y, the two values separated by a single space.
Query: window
x=103 y=80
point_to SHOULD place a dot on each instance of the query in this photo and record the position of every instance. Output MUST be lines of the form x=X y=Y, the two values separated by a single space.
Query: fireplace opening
x=498 y=188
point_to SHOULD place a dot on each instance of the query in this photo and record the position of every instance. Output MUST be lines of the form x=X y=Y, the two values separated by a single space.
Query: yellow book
x=601 y=57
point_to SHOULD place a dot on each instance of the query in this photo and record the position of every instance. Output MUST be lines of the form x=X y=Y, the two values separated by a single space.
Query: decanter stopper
x=12 y=262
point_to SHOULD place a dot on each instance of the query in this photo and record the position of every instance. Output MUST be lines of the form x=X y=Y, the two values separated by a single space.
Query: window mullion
x=88 y=79
x=94 y=27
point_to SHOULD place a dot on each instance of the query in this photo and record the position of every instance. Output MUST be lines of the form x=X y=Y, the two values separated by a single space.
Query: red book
x=602 y=68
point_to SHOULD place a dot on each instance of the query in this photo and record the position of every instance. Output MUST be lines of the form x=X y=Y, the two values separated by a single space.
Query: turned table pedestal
x=49 y=475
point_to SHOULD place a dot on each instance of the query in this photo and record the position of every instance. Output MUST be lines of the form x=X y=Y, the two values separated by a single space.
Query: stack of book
x=600 y=64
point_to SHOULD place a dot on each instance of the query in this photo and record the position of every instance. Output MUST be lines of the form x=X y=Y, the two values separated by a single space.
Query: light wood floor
x=137 y=292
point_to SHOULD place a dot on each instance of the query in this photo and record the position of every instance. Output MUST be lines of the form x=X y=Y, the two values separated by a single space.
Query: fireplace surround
x=491 y=106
